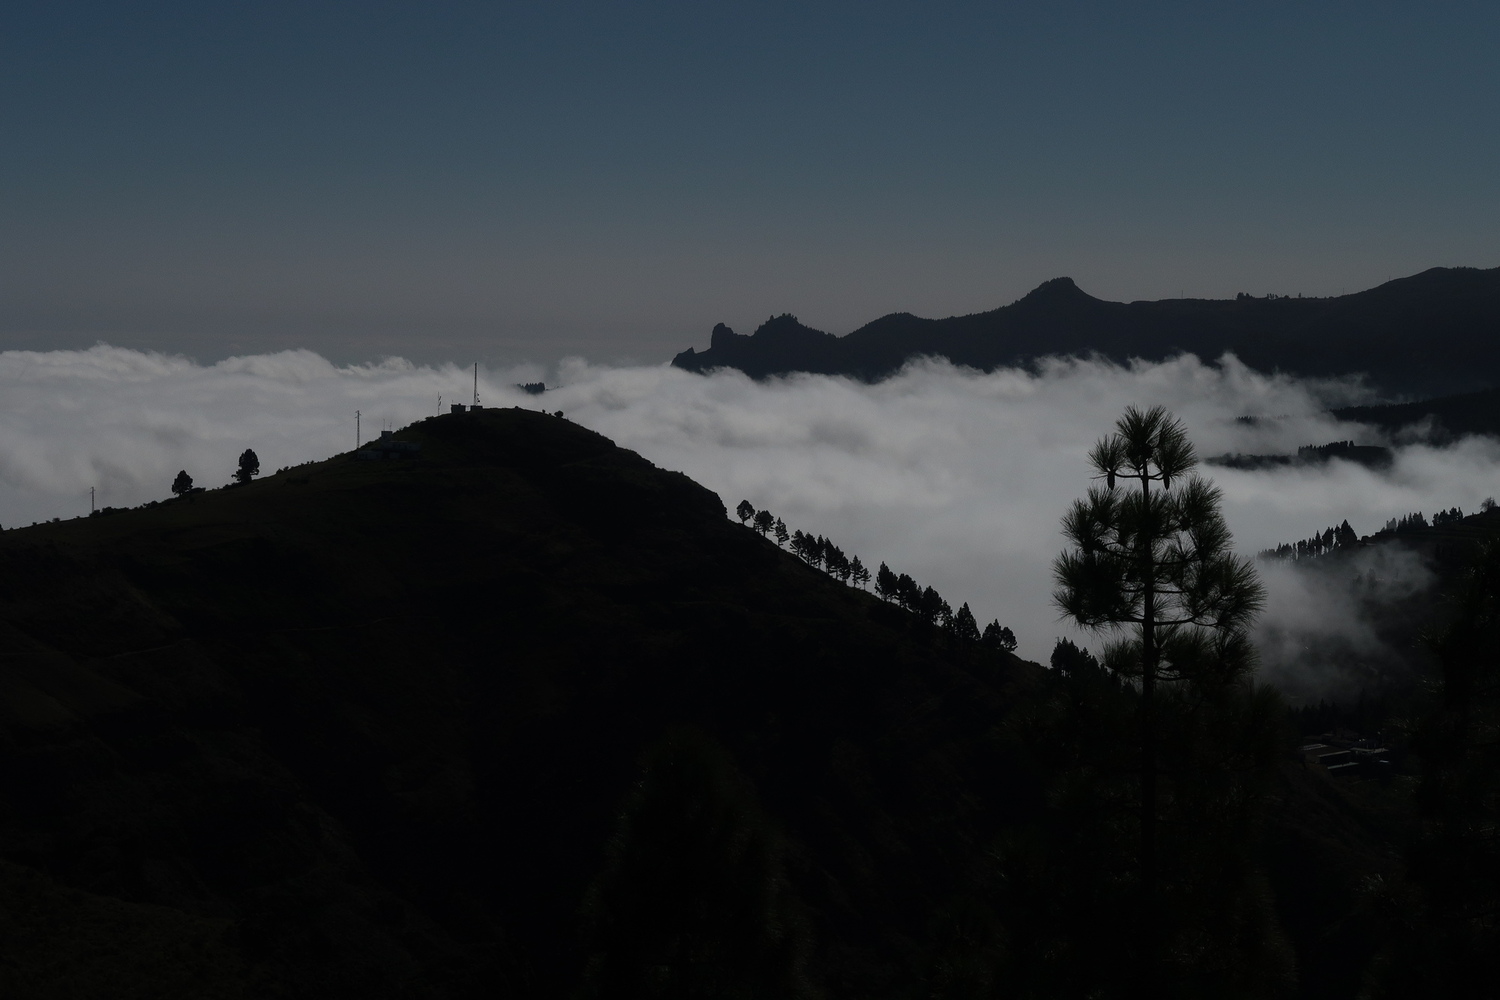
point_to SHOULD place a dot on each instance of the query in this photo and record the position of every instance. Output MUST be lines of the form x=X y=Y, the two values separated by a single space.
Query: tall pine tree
x=1150 y=562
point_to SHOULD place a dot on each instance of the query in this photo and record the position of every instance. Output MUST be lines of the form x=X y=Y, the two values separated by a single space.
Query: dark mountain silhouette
x=523 y=715
x=1429 y=333
x=368 y=728
x=1439 y=420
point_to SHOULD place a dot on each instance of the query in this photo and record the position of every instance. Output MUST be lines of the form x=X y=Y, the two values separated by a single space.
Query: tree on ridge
x=859 y=573
x=799 y=544
x=964 y=625
x=249 y=467
x=997 y=636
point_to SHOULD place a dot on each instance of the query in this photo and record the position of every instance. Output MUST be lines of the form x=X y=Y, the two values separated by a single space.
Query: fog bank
x=956 y=477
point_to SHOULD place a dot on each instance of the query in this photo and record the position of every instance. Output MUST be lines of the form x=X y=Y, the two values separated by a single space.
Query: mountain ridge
x=1433 y=332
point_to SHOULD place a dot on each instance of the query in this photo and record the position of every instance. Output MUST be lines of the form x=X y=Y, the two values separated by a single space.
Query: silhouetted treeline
x=1364 y=454
x=1371 y=456
x=1343 y=537
x=1450 y=516
x=899 y=589
x=1402 y=525
x=1329 y=540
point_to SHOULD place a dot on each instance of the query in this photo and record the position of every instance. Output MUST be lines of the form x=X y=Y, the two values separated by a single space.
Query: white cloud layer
x=956 y=477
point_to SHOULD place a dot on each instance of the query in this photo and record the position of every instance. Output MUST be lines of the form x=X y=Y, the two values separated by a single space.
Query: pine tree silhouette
x=249 y=467
x=964 y=625
x=1156 y=563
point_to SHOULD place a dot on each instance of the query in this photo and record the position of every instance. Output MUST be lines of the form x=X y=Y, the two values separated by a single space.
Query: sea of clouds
x=954 y=476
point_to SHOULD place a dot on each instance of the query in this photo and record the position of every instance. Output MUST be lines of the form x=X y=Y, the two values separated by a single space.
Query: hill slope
x=394 y=729
x=1433 y=332
x=1438 y=420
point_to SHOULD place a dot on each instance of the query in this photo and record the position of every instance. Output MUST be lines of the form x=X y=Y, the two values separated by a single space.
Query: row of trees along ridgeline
x=1330 y=540
x=1445 y=517
x=1344 y=537
x=898 y=589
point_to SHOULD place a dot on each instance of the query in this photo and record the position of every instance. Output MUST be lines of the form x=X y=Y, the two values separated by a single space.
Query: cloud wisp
x=956 y=477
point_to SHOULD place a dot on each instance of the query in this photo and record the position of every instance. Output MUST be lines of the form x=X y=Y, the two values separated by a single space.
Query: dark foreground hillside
x=410 y=728
x=522 y=715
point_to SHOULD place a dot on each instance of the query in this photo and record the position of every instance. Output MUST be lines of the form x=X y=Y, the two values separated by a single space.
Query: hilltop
x=1429 y=333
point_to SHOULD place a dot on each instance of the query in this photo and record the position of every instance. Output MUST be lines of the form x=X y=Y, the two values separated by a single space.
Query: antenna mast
x=356 y=430
x=476 y=383
x=91 y=499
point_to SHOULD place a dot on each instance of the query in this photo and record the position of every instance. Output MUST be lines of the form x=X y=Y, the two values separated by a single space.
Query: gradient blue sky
x=521 y=182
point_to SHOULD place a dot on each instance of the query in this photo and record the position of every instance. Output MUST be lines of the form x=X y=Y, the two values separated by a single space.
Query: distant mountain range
x=1434 y=332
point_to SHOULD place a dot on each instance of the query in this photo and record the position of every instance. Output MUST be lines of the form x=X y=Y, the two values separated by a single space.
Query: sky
x=956 y=477
x=520 y=183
